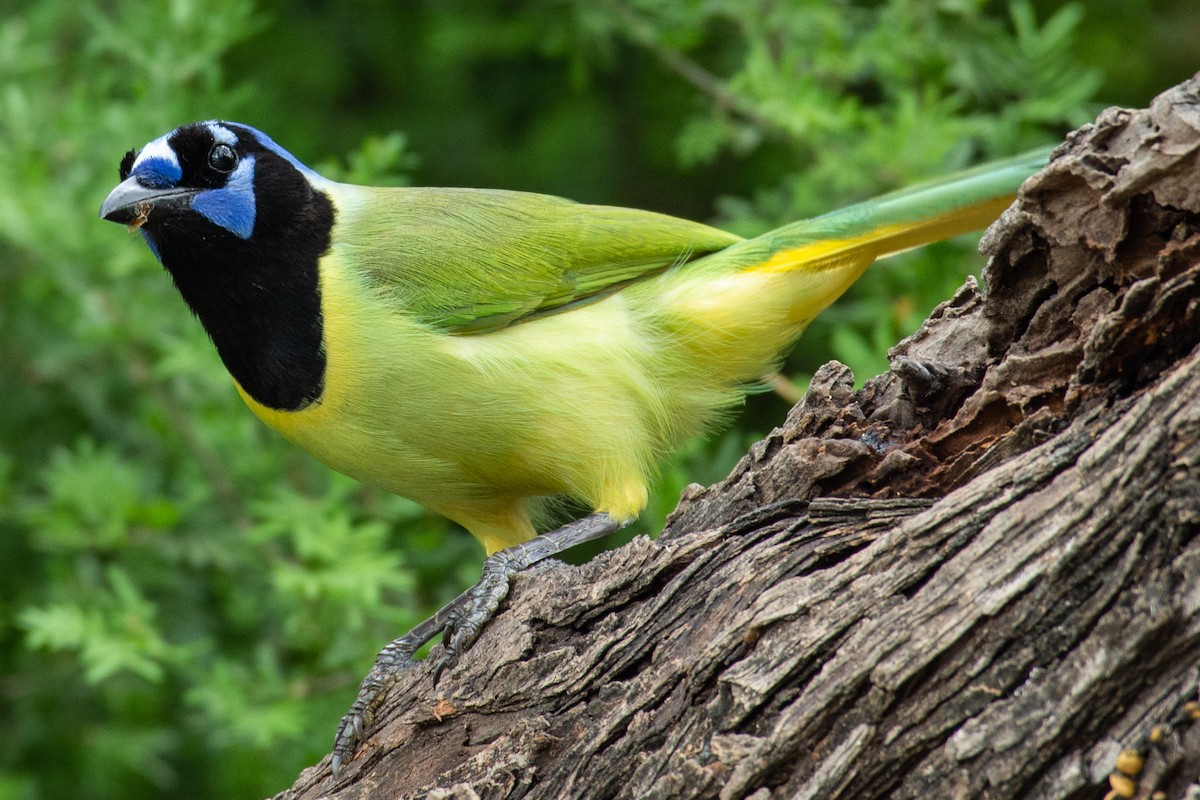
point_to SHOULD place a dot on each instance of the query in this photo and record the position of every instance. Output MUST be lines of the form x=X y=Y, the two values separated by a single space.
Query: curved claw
x=350 y=733
x=455 y=642
x=447 y=660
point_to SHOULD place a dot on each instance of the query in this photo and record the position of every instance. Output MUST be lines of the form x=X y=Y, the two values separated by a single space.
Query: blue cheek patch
x=232 y=206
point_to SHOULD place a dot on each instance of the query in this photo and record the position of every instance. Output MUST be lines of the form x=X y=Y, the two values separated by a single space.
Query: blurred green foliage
x=188 y=603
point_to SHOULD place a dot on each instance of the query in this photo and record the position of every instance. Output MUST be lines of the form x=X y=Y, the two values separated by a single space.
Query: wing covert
x=474 y=260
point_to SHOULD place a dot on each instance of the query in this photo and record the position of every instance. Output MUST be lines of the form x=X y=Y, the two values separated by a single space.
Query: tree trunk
x=977 y=577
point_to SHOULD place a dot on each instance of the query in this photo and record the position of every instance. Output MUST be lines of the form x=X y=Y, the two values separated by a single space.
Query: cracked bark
x=976 y=577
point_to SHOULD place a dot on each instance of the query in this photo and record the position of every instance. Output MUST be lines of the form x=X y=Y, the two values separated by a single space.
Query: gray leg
x=461 y=619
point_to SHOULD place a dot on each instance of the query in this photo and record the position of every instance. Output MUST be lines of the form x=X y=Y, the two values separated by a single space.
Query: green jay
x=481 y=351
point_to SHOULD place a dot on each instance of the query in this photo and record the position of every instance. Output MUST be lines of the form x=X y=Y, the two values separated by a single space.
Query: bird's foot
x=483 y=599
x=461 y=620
x=392 y=660
x=466 y=621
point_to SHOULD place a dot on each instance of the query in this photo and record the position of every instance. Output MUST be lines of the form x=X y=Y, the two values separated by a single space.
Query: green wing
x=473 y=260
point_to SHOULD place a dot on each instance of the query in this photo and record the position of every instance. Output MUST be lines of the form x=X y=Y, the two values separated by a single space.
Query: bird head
x=202 y=175
x=241 y=226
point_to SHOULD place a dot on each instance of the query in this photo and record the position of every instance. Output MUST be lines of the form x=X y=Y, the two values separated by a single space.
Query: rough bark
x=976 y=577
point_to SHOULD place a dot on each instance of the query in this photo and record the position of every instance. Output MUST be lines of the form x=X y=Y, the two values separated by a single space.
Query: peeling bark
x=976 y=577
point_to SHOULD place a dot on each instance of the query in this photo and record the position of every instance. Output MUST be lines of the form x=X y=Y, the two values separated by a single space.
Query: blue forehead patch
x=157 y=166
x=158 y=173
x=232 y=206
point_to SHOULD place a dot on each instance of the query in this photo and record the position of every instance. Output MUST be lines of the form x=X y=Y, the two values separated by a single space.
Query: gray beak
x=131 y=203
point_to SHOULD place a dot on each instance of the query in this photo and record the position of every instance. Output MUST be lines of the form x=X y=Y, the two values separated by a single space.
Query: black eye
x=222 y=158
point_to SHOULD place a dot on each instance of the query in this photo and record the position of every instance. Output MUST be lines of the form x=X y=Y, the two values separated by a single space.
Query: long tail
x=746 y=304
x=901 y=220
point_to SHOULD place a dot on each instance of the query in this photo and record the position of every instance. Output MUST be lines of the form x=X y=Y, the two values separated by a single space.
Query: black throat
x=259 y=298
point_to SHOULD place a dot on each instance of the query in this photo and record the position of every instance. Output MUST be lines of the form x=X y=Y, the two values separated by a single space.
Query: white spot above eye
x=221 y=134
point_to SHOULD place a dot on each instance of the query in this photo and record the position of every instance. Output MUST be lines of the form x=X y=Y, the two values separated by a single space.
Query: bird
x=483 y=351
